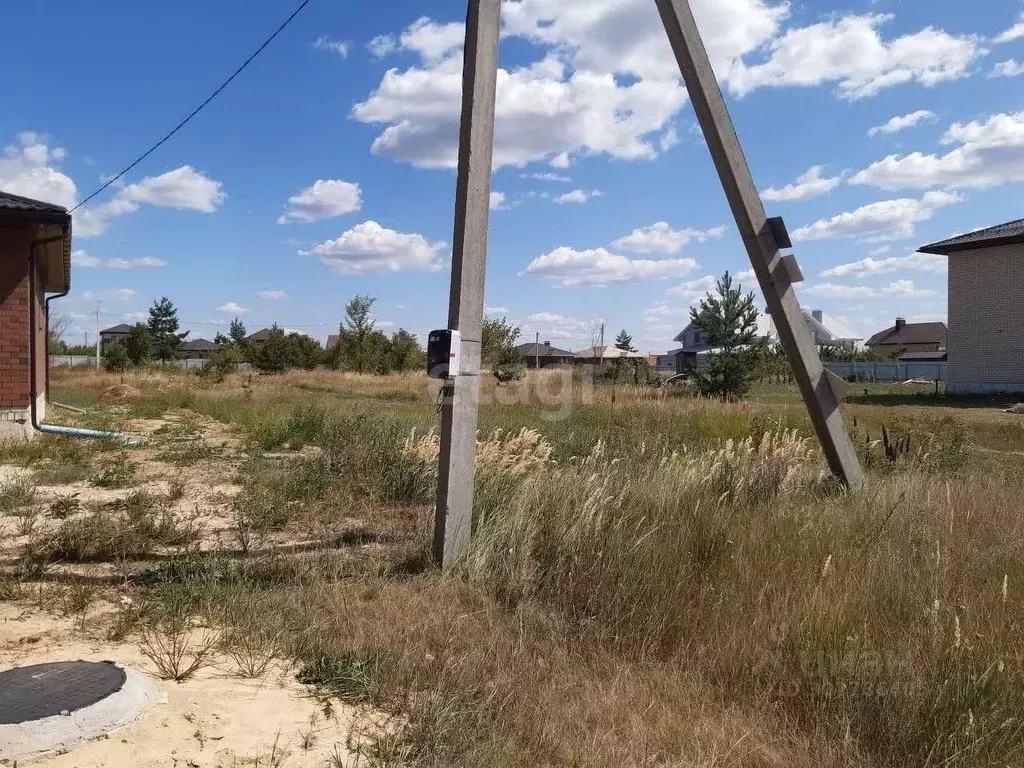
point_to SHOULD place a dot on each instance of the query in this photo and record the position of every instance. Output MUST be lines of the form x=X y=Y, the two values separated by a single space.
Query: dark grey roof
x=9 y=202
x=198 y=345
x=923 y=357
x=911 y=333
x=120 y=328
x=261 y=334
x=1010 y=233
x=543 y=350
x=332 y=340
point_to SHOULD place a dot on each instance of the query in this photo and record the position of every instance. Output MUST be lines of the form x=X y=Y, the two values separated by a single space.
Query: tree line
x=361 y=347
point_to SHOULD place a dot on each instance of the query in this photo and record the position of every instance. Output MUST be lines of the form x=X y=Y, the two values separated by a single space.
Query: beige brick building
x=986 y=309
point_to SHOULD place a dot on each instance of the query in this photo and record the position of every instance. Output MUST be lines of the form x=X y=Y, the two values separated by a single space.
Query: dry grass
x=654 y=580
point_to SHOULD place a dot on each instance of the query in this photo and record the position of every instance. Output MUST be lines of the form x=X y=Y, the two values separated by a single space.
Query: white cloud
x=661 y=238
x=694 y=289
x=991 y=153
x=746 y=275
x=232 y=308
x=370 y=248
x=557 y=326
x=599 y=268
x=382 y=45
x=183 y=188
x=881 y=221
x=899 y=288
x=499 y=201
x=433 y=41
x=578 y=196
x=810 y=185
x=1013 y=33
x=924 y=262
x=545 y=177
x=327 y=43
x=326 y=199
x=113 y=294
x=495 y=311
x=543 y=113
x=81 y=258
x=1008 y=68
x=851 y=52
x=880 y=250
x=669 y=139
x=902 y=122
x=30 y=168
x=272 y=295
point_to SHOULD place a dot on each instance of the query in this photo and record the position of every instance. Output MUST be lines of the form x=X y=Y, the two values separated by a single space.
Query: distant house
x=903 y=337
x=197 y=349
x=115 y=334
x=825 y=331
x=600 y=355
x=332 y=341
x=261 y=335
x=985 y=346
x=545 y=354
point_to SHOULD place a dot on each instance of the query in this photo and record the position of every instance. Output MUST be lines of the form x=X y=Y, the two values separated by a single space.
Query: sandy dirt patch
x=214 y=720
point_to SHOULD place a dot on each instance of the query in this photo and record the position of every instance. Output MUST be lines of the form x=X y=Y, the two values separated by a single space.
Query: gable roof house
x=598 y=355
x=544 y=354
x=903 y=338
x=985 y=347
x=35 y=260
x=114 y=334
x=197 y=349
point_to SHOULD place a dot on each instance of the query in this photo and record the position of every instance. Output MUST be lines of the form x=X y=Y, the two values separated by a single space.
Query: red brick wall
x=14 y=319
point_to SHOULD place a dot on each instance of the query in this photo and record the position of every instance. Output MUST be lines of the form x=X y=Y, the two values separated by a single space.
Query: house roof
x=51 y=221
x=199 y=345
x=543 y=350
x=911 y=333
x=261 y=334
x=333 y=340
x=1010 y=233
x=119 y=328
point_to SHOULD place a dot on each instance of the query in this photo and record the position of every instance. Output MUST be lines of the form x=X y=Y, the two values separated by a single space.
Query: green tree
x=163 y=329
x=405 y=353
x=729 y=322
x=237 y=332
x=359 y=343
x=137 y=344
x=115 y=358
x=624 y=341
x=498 y=342
x=303 y=351
x=271 y=353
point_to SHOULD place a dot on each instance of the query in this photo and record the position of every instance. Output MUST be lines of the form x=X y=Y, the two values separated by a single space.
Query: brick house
x=903 y=337
x=115 y=334
x=986 y=314
x=35 y=260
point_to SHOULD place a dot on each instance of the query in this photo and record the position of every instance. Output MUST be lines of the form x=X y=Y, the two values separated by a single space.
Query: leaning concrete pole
x=453 y=519
x=763 y=239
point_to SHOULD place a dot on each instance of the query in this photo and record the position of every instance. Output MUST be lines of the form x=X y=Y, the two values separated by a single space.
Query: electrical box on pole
x=444 y=354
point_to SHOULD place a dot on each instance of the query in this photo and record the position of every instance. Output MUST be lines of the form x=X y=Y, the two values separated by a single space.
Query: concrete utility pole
x=536 y=352
x=763 y=239
x=453 y=520
x=97 y=336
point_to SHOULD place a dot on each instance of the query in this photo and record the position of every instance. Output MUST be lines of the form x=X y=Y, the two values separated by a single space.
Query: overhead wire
x=198 y=109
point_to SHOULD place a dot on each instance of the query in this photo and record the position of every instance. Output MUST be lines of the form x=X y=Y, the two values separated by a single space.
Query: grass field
x=655 y=580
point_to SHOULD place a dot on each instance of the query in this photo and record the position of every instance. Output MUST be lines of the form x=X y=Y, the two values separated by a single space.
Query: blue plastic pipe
x=78 y=432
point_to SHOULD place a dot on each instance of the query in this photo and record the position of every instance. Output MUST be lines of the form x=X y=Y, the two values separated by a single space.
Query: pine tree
x=729 y=322
x=237 y=332
x=163 y=330
x=624 y=341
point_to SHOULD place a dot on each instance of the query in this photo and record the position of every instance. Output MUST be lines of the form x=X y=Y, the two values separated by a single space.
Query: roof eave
x=945 y=248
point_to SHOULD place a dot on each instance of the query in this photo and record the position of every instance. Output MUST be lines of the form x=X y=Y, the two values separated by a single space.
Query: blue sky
x=326 y=169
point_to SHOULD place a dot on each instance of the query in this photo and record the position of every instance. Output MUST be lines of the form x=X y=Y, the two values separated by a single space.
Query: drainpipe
x=33 y=378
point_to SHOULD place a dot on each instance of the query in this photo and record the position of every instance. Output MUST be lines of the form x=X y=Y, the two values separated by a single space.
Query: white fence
x=890 y=371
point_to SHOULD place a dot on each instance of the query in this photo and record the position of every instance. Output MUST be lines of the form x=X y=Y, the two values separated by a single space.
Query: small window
x=698 y=337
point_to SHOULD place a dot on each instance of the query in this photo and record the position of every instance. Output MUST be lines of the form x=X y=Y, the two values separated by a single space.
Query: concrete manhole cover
x=63 y=687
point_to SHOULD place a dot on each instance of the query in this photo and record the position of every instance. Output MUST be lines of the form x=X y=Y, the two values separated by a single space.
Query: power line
x=198 y=109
